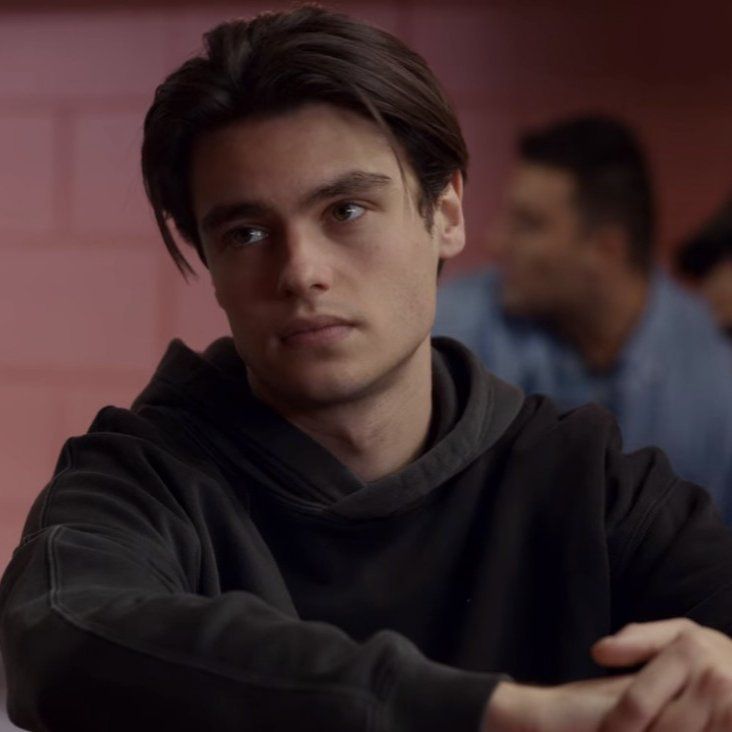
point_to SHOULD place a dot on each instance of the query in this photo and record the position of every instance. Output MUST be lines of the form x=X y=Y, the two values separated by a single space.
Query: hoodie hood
x=209 y=394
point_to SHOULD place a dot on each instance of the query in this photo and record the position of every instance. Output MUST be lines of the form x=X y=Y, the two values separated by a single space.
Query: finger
x=716 y=689
x=638 y=642
x=690 y=712
x=583 y=705
x=653 y=688
x=721 y=720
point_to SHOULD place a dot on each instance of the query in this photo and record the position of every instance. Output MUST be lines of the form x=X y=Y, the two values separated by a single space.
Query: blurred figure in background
x=576 y=309
x=706 y=261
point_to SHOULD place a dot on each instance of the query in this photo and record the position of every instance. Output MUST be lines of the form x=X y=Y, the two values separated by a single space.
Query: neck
x=601 y=331
x=381 y=431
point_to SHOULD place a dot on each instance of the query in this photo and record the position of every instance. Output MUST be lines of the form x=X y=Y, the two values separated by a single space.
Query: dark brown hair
x=613 y=183
x=275 y=63
x=708 y=247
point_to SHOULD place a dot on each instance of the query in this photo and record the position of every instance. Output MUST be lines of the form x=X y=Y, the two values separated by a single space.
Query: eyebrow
x=219 y=215
x=357 y=181
x=351 y=183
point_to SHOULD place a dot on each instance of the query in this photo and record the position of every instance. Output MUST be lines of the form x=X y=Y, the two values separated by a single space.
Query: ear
x=449 y=224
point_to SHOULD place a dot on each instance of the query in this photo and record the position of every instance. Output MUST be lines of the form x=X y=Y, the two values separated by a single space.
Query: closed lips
x=312 y=324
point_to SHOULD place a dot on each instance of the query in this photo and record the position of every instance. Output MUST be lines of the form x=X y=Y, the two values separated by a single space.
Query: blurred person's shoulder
x=575 y=460
x=691 y=329
x=472 y=287
x=467 y=303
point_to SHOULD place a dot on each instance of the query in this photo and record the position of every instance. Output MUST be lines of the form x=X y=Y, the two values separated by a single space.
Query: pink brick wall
x=88 y=299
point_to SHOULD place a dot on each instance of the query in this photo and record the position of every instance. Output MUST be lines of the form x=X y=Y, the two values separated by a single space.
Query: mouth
x=315 y=331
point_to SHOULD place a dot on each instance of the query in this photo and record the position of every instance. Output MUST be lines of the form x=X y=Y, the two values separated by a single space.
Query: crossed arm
x=683 y=685
x=109 y=606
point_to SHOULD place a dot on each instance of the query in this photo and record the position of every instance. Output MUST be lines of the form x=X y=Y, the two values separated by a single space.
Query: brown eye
x=348 y=212
x=244 y=236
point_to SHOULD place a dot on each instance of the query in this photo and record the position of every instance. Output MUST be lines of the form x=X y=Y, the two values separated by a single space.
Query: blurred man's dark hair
x=611 y=173
x=708 y=247
x=276 y=63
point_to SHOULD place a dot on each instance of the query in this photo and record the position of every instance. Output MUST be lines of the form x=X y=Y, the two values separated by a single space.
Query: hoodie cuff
x=431 y=697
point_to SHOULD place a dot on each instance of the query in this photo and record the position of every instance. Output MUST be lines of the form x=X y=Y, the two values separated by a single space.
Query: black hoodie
x=198 y=563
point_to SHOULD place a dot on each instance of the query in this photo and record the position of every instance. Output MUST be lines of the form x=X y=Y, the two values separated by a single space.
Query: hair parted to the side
x=611 y=173
x=275 y=63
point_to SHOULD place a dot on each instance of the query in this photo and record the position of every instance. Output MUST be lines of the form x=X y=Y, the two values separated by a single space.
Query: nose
x=304 y=270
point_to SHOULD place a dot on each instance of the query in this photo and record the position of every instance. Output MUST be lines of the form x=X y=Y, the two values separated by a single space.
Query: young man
x=324 y=524
x=705 y=259
x=577 y=311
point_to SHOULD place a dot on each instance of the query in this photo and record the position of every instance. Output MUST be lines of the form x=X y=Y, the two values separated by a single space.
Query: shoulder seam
x=54 y=481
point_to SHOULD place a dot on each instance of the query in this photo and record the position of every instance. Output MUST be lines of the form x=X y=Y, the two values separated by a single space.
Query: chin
x=322 y=386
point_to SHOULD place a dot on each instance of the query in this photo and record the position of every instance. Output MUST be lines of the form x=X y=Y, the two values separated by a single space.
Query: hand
x=577 y=707
x=685 y=686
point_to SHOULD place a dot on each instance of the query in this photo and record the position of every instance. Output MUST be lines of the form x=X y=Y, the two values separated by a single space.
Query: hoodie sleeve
x=670 y=552
x=102 y=627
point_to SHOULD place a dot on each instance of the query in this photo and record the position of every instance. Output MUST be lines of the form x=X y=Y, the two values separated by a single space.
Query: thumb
x=637 y=642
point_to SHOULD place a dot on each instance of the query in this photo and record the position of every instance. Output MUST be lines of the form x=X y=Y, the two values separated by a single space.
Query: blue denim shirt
x=671 y=386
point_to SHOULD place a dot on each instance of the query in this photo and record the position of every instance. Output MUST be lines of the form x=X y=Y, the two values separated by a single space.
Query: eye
x=347 y=211
x=524 y=222
x=244 y=236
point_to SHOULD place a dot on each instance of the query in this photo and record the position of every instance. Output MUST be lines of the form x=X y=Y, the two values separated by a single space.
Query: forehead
x=288 y=154
x=541 y=186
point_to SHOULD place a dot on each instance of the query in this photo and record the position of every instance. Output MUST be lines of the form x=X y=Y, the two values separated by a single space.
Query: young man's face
x=317 y=252
x=543 y=247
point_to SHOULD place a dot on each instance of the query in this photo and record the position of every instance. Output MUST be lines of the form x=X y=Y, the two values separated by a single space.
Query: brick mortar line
x=81 y=377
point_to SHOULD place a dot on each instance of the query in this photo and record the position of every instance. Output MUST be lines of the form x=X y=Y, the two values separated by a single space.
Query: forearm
x=86 y=655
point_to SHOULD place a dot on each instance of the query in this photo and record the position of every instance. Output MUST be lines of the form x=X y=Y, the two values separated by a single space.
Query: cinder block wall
x=88 y=298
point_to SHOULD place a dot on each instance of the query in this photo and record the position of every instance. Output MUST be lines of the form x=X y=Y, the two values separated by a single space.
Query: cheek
x=412 y=292
x=225 y=295
x=535 y=257
x=220 y=296
x=530 y=251
x=552 y=258
x=241 y=310
x=235 y=288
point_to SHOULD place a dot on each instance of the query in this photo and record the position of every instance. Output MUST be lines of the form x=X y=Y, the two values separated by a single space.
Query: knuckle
x=687 y=635
x=628 y=628
x=686 y=624
x=634 y=706
x=690 y=642
x=716 y=682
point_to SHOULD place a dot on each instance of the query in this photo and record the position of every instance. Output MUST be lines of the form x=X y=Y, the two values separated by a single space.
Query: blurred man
x=576 y=309
x=706 y=261
x=328 y=522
